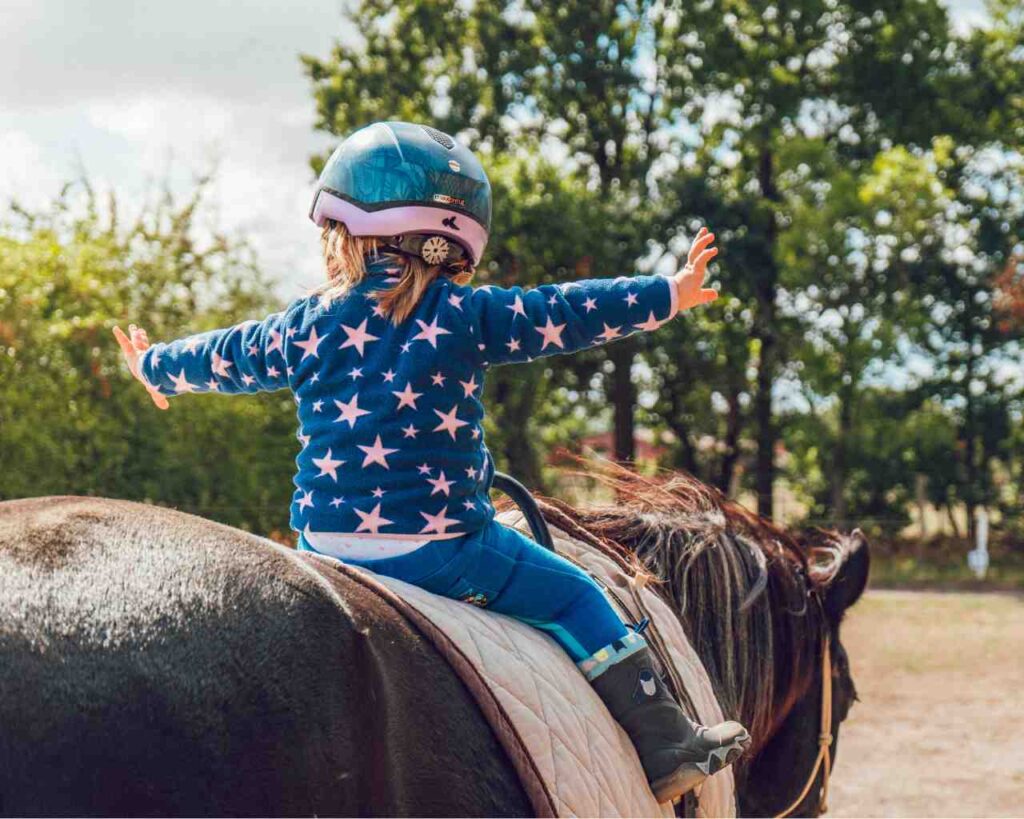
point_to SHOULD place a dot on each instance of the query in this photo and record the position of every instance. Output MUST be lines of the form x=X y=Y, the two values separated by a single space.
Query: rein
x=823 y=762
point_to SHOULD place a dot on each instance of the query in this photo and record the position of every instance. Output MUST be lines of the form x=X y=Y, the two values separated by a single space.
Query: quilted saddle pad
x=572 y=757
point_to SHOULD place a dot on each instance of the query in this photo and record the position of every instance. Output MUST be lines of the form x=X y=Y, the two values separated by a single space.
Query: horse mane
x=741 y=584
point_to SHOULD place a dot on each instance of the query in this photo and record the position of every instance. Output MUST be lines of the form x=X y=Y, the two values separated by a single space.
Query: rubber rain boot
x=676 y=754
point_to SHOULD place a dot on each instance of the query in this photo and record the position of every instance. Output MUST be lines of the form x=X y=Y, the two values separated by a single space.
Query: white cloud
x=25 y=175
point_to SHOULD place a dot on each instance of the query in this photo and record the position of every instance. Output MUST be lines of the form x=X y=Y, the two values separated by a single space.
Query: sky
x=135 y=92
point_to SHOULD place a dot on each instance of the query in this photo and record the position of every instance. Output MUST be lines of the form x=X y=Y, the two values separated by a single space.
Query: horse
x=154 y=663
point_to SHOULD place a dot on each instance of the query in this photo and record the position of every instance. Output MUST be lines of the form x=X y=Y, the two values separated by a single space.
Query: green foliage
x=73 y=421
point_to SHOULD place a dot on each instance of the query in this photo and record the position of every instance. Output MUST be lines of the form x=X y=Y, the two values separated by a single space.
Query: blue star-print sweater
x=390 y=418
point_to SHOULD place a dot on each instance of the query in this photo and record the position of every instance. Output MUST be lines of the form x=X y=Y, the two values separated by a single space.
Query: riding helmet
x=414 y=186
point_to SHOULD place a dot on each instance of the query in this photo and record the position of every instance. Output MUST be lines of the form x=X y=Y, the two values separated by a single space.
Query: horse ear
x=850 y=581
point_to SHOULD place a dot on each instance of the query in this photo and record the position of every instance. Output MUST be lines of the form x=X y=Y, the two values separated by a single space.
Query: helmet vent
x=439 y=136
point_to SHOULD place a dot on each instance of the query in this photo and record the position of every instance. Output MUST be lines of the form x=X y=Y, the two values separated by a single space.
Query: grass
x=901 y=571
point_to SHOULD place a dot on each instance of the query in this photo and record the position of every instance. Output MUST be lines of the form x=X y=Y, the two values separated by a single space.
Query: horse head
x=788 y=772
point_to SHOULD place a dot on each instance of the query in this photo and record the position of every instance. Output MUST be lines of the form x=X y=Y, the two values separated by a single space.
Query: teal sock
x=604 y=658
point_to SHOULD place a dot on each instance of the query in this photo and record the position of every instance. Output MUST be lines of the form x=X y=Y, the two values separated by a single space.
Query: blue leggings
x=507 y=572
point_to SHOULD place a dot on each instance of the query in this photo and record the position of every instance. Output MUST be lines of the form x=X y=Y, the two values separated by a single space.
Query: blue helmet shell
x=399 y=178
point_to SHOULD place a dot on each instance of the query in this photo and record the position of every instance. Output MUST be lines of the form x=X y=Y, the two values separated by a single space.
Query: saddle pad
x=717 y=795
x=572 y=757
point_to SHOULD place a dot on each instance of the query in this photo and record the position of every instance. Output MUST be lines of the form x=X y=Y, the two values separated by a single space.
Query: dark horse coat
x=152 y=662
x=155 y=663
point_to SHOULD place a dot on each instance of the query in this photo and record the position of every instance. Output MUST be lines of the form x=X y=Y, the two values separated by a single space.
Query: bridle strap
x=823 y=762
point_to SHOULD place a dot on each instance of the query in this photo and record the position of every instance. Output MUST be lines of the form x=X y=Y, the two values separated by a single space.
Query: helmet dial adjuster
x=431 y=247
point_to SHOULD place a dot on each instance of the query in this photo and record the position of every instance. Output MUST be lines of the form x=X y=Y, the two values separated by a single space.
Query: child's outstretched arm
x=248 y=357
x=513 y=324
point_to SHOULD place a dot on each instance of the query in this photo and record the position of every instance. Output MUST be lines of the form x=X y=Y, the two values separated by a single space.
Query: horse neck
x=761 y=660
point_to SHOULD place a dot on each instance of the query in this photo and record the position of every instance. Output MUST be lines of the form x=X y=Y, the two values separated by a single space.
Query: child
x=387 y=361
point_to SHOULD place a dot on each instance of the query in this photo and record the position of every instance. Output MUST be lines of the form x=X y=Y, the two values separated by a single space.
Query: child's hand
x=690 y=280
x=132 y=348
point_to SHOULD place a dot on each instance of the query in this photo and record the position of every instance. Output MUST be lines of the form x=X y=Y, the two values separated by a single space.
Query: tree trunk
x=839 y=465
x=766 y=289
x=732 y=442
x=516 y=398
x=623 y=398
x=969 y=433
x=951 y=513
x=921 y=499
x=970 y=470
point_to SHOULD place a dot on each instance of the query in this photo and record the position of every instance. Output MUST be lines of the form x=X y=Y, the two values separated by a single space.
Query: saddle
x=572 y=757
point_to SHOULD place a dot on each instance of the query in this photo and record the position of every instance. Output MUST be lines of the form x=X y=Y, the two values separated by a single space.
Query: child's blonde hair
x=345 y=258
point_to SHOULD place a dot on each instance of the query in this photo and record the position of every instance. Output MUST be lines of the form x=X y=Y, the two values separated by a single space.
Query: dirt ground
x=938 y=730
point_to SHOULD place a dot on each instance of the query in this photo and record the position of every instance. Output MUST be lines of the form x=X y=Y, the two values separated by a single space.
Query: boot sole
x=687 y=777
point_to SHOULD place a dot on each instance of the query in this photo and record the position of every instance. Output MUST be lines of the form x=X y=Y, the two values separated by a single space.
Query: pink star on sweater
x=376 y=454
x=220 y=365
x=372 y=521
x=449 y=421
x=357 y=337
x=310 y=345
x=651 y=324
x=440 y=484
x=552 y=334
x=438 y=523
x=406 y=397
x=328 y=466
x=350 y=411
x=430 y=332
x=516 y=307
x=181 y=383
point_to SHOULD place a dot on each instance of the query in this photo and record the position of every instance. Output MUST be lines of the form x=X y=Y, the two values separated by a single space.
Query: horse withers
x=152 y=662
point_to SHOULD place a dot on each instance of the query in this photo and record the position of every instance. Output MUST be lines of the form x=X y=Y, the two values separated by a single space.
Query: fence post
x=977 y=559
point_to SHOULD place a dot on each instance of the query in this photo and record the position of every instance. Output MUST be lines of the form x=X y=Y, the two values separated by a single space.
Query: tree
x=756 y=79
x=73 y=419
x=956 y=225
